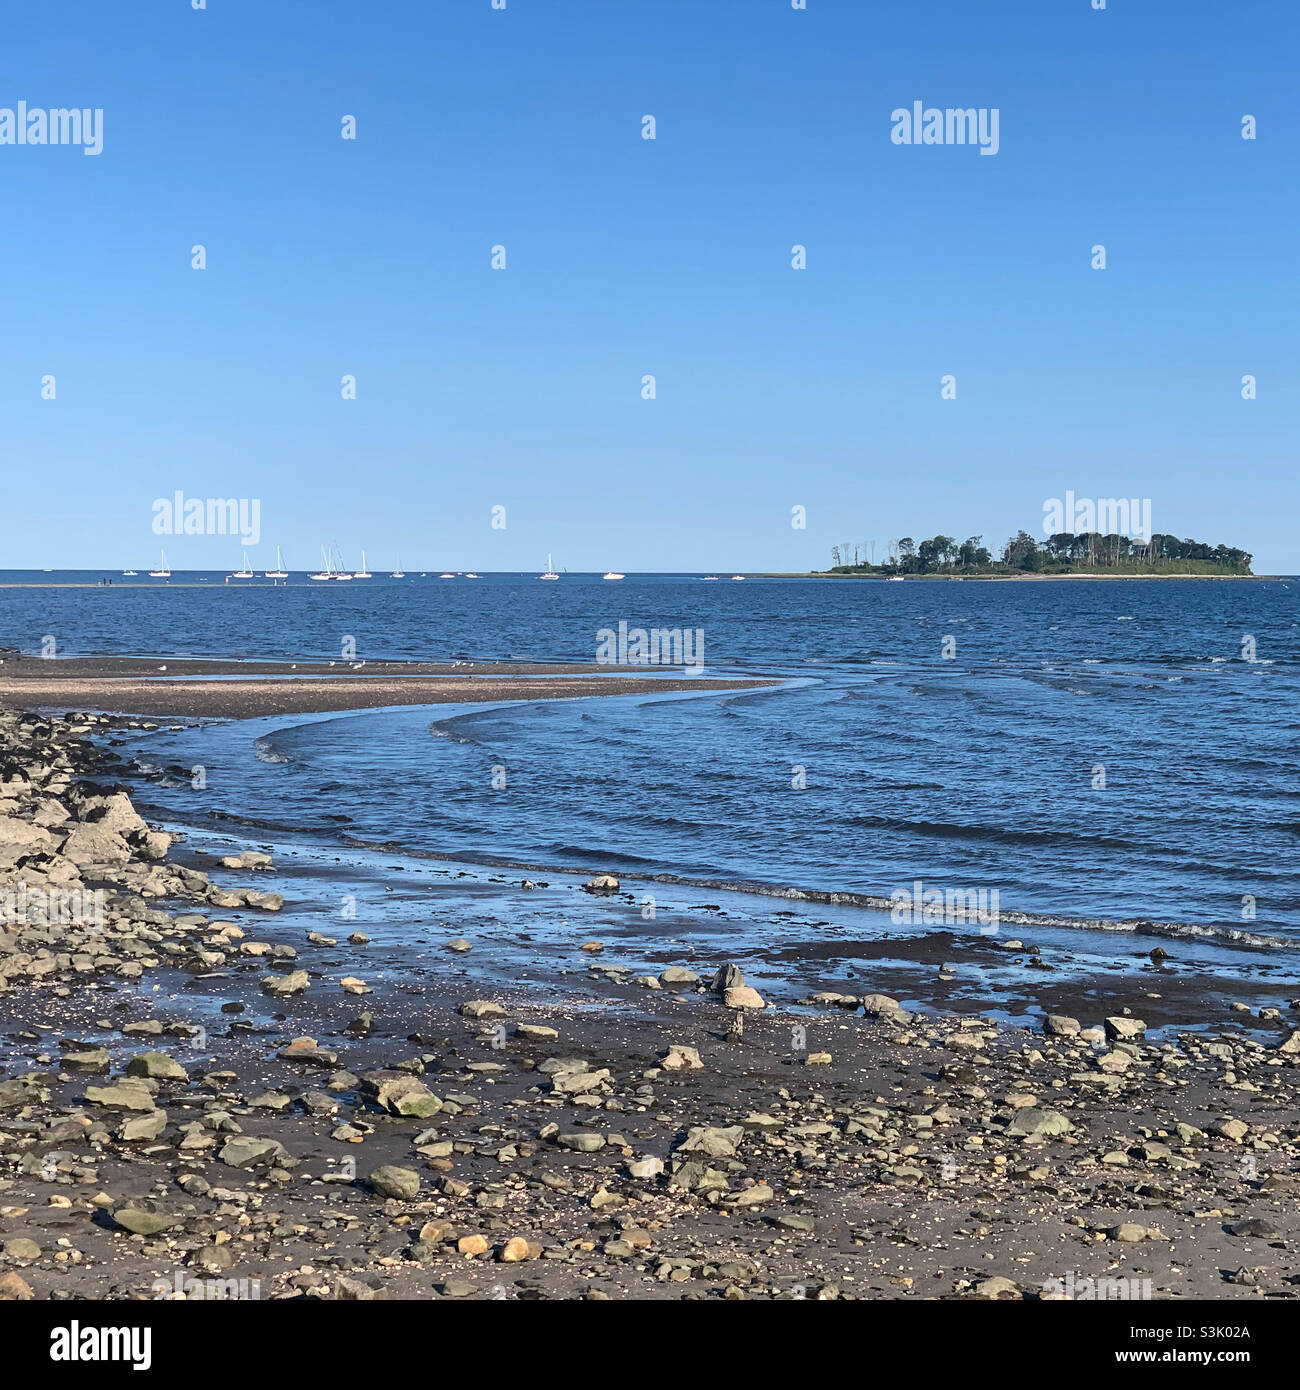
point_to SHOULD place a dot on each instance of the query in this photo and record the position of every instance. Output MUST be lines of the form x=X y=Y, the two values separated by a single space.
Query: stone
x=1118 y=1026
x=715 y=1141
x=245 y=1151
x=1033 y=1122
x=679 y=1057
x=676 y=975
x=1061 y=1026
x=295 y=982
x=157 y=1065
x=482 y=1008
x=743 y=997
x=460 y=945
x=21 y=1248
x=514 y=1250
x=142 y=1222
x=392 y=1181
x=601 y=883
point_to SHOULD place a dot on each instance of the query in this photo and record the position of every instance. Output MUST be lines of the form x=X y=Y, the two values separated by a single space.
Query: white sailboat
x=399 y=572
x=279 y=572
x=363 y=572
x=550 y=571
x=326 y=570
x=162 y=572
x=613 y=574
x=244 y=573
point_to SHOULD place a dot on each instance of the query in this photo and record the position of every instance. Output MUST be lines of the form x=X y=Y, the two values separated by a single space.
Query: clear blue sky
x=522 y=388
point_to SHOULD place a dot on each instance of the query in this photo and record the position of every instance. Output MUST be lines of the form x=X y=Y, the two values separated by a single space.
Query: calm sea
x=1095 y=750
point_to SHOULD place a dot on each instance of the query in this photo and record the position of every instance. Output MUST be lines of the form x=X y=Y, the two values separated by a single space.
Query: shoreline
x=225 y=1082
x=152 y=688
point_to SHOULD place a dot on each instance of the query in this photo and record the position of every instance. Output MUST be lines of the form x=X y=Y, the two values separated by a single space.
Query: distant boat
x=327 y=568
x=162 y=572
x=613 y=574
x=363 y=572
x=710 y=578
x=550 y=571
x=738 y=576
x=245 y=573
x=446 y=575
x=279 y=572
x=399 y=572
x=469 y=574
x=894 y=579
x=128 y=574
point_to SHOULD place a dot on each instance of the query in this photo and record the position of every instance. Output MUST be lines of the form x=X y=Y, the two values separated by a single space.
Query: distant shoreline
x=1011 y=578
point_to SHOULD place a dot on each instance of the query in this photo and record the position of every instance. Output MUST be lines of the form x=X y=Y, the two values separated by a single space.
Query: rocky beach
x=204 y=1096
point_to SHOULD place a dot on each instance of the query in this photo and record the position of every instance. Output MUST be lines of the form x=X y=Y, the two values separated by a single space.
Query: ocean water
x=1099 y=750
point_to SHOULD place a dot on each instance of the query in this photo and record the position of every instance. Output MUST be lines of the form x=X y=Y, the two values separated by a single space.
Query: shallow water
x=885 y=762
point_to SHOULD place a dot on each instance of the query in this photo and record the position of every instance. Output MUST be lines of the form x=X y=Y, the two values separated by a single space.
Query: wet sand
x=196 y=688
x=480 y=1087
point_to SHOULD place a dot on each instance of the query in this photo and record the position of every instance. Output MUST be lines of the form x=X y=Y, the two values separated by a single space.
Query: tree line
x=1063 y=553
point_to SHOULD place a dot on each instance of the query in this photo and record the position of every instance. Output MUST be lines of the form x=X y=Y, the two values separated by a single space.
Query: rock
x=295 y=982
x=1117 y=1026
x=714 y=1141
x=14 y=1288
x=997 y=1287
x=392 y=1181
x=675 y=975
x=727 y=977
x=402 y=1094
x=1061 y=1026
x=126 y=1095
x=366 y=1290
x=1032 y=1122
x=817 y=1059
x=158 y=1065
x=481 y=1008
x=1256 y=1227
x=473 y=1245
x=143 y=1127
x=743 y=997
x=645 y=1169
x=21 y=1248
x=756 y=1196
x=245 y=1151
x=880 y=1004
x=679 y=1057
x=537 y=1031
x=582 y=1141
x=514 y=1250
x=460 y=945
x=1236 y=1130
x=1292 y=1044
x=832 y=999
x=142 y=1222
x=576 y=1083
x=602 y=883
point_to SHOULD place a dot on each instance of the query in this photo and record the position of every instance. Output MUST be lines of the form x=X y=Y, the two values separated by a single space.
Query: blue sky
x=522 y=388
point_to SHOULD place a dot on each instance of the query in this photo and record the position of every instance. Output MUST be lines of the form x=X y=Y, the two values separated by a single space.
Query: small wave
x=267 y=752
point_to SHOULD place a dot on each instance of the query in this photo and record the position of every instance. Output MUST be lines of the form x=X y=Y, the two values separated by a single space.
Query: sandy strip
x=248 y=690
